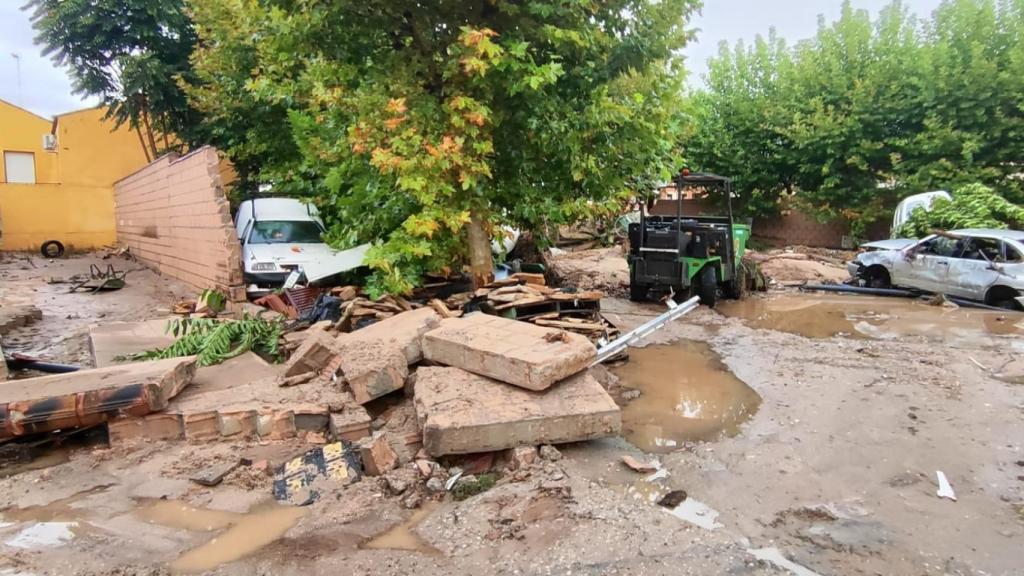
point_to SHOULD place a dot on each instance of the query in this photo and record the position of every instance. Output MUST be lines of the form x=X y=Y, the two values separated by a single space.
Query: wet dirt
x=61 y=510
x=686 y=395
x=243 y=534
x=403 y=536
x=61 y=335
x=868 y=317
x=52 y=457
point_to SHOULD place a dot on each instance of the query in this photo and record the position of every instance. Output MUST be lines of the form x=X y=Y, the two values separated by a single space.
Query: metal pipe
x=675 y=311
x=846 y=288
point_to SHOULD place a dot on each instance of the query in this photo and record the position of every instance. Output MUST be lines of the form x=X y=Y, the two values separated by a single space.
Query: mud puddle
x=242 y=534
x=869 y=317
x=686 y=395
x=403 y=536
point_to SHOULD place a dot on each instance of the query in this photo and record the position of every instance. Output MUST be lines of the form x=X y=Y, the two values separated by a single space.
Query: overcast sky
x=46 y=90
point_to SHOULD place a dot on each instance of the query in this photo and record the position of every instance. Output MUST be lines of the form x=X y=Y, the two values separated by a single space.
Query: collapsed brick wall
x=174 y=215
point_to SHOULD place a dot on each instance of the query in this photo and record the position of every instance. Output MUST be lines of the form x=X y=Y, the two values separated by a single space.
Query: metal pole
x=675 y=311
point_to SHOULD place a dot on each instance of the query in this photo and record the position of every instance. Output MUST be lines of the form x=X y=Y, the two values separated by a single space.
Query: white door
x=20 y=167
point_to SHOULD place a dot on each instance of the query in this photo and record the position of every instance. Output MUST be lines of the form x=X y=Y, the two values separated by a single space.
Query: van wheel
x=707 y=287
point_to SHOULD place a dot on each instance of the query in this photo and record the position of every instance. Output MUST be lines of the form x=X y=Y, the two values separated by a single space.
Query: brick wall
x=795 y=228
x=174 y=216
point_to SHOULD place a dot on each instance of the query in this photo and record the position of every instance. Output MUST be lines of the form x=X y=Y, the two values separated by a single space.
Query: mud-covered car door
x=926 y=266
x=971 y=275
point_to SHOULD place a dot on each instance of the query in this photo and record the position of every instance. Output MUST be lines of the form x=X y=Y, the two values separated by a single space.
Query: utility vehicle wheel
x=737 y=287
x=638 y=292
x=707 y=287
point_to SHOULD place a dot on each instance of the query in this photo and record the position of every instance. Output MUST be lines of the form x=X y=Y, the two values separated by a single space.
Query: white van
x=281 y=235
x=905 y=208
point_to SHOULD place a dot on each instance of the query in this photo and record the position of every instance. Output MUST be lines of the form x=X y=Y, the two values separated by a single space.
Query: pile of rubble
x=422 y=381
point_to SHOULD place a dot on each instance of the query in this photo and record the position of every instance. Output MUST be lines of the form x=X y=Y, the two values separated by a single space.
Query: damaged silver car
x=982 y=265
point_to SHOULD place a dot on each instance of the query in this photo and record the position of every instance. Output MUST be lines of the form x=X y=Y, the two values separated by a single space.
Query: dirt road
x=816 y=448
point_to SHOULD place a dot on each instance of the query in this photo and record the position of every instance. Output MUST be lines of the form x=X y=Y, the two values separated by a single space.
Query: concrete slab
x=112 y=339
x=90 y=397
x=373 y=367
x=514 y=352
x=404 y=331
x=463 y=413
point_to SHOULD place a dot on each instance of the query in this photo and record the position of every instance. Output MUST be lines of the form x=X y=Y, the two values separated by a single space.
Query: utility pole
x=17 y=66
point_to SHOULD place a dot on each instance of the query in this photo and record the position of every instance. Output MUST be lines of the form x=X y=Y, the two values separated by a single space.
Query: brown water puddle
x=403 y=536
x=56 y=511
x=869 y=317
x=687 y=394
x=242 y=534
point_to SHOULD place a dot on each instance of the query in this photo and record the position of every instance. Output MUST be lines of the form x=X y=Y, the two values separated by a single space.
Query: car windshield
x=285 y=232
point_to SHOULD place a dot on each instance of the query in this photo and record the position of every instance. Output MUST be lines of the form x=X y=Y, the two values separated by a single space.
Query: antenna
x=17 y=65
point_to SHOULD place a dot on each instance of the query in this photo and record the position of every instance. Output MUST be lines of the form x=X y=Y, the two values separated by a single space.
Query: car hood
x=318 y=261
x=891 y=244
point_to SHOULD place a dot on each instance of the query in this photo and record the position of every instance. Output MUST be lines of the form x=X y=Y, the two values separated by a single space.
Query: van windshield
x=285 y=232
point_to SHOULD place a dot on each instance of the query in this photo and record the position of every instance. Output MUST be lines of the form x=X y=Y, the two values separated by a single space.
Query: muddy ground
x=809 y=428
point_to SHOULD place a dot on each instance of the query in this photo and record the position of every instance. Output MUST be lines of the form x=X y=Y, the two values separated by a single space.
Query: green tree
x=429 y=124
x=973 y=206
x=868 y=111
x=129 y=53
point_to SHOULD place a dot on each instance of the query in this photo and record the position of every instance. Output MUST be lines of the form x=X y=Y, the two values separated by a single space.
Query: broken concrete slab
x=377 y=455
x=214 y=475
x=404 y=331
x=464 y=413
x=111 y=340
x=315 y=352
x=513 y=352
x=89 y=397
x=372 y=367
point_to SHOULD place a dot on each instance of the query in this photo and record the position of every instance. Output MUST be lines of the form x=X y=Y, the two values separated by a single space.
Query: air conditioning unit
x=49 y=142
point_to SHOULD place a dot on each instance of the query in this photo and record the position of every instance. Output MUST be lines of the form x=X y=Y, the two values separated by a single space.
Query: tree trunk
x=149 y=127
x=142 y=143
x=481 y=262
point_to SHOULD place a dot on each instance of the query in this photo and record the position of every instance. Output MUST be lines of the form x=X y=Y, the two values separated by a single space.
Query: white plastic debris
x=945 y=489
x=774 y=556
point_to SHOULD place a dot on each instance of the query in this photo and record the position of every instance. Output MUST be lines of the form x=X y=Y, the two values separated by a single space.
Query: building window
x=20 y=167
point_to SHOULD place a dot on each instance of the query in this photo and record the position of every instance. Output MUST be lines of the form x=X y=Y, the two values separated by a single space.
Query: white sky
x=46 y=90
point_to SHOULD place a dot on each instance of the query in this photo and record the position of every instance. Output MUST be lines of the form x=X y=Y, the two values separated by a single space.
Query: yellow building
x=57 y=177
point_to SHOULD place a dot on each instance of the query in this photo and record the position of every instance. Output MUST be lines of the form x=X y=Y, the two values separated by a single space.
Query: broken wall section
x=174 y=215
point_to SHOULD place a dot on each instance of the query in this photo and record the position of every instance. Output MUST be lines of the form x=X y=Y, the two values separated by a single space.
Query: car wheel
x=1003 y=297
x=877 y=277
x=708 y=287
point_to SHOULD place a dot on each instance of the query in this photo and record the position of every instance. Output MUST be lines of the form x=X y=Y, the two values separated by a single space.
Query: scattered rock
x=673 y=499
x=435 y=485
x=412 y=500
x=377 y=455
x=523 y=457
x=638 y=466
x=550 y=453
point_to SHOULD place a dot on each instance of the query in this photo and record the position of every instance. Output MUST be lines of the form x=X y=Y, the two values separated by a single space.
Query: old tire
x=51 y=249
x=1003 y=297
x=707 y=287
x=638 y=292
x=736 y=288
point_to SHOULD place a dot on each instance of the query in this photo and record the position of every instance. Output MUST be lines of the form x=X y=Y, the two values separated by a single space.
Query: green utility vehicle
x=682 y=254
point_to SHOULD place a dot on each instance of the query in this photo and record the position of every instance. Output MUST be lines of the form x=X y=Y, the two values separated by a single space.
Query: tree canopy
x=428 y=124
x=130 y=53
x=869 y=111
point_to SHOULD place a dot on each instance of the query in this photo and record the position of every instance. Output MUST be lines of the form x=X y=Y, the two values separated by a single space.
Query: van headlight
x=264 y=267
